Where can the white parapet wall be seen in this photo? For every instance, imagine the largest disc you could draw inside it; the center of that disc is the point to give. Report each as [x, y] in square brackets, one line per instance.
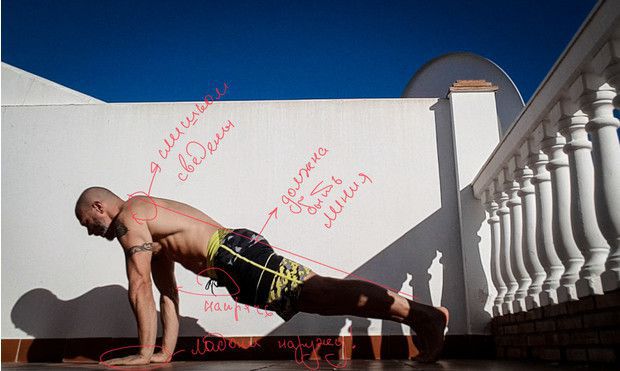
[21, 88]
[401, 229]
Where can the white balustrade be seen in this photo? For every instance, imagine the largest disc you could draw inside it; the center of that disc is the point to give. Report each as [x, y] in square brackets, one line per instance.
[551, 188]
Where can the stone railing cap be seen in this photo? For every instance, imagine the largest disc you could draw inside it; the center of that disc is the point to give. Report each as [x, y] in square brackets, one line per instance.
[472, 85]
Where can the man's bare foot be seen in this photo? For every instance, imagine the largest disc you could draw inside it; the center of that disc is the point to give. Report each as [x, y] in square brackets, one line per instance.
[431, 332]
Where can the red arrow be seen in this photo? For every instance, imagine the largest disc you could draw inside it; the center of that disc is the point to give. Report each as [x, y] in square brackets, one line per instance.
[273, 212]
[155, 168]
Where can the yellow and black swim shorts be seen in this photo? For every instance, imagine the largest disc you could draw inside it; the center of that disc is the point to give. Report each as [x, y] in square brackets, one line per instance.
[261, 277]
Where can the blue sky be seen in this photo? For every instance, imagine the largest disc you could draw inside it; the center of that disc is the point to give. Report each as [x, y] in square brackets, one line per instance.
[132, 51]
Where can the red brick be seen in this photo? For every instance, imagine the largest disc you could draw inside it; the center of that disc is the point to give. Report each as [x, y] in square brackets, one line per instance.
[545, 325]
[519, 341]
[526, 328]
[605, 355]
[511, 329]
[503, 319]
[519, 317]
[513, 352]
[564, 338]
[569, 323]
[535, 352]
[536, 340]
[555, 310]
[577, 354]
[536, 313]
[608, 300]
[502, 340]
[509, 318]
[516, 340]
[500, 352]
[609, 318]
[551, 354]
[584, 337]
[609, 337]
[584, 304]
[553, 338]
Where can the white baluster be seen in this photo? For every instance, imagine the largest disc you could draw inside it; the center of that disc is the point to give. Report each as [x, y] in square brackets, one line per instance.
[552, 145]
[597, 101]
[546, 249]
[612, 71]
[496, 271]
[516, 234]
[503, 212]
[587, 234]
[535, 270]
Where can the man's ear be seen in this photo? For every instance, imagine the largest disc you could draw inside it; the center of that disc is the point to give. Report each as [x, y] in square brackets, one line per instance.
[98, 207]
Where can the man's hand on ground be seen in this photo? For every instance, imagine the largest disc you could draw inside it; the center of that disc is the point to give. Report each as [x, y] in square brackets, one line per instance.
[161, 357]
[130, 360]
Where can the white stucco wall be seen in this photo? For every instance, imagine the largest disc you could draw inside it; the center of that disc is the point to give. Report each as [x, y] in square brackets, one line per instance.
[59, 282]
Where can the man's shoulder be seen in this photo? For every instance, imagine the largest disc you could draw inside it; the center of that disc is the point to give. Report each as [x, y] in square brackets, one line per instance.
[139, 207]
[133, 215]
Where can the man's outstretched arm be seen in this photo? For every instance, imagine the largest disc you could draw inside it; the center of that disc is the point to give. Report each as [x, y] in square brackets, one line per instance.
[163, 275]
[137, 243]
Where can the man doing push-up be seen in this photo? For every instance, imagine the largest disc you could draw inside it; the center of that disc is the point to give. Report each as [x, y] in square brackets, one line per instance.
[239, 259]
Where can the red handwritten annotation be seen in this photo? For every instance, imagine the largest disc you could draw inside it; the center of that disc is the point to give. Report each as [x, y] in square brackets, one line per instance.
[206, 344]
[319, 194]
[222, 306]
[189, 121]
[171, 140]
[306, 170]
[314, 346]
[198, 152]
[211, 306]
[209, 346]
[303, 350]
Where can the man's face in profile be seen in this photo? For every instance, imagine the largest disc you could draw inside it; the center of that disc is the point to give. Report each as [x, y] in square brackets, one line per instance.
[95, 223]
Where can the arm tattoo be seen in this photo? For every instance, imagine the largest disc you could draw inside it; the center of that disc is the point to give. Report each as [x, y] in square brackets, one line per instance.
[141, 248]
[120, 229]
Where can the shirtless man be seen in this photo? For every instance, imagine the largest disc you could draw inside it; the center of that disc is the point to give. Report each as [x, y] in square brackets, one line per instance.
[155, 233]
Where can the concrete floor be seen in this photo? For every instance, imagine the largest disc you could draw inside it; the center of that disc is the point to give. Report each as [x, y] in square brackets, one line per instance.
[473, 365]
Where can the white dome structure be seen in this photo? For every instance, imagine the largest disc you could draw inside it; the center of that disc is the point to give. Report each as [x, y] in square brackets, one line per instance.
[436, 76]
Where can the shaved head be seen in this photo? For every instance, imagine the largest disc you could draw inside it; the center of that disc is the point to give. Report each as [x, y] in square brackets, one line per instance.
[92, 194]
[96, 209]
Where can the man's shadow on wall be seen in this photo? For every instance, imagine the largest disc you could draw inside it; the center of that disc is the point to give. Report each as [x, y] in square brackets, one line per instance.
[103, 314]
[439, 235]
